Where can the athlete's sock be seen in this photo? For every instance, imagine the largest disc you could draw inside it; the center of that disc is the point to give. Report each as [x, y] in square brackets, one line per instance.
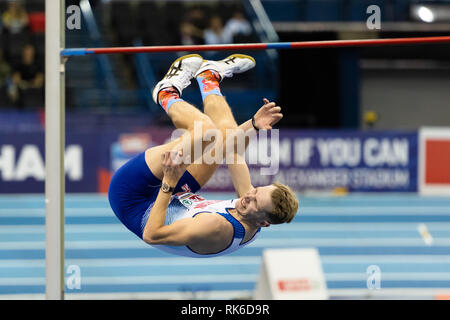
[167, 97]
[208, 82]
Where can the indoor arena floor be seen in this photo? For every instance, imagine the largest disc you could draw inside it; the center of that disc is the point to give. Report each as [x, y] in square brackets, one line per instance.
[406, 236]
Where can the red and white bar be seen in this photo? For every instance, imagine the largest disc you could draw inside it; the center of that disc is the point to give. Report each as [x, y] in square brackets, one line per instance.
[258, 46]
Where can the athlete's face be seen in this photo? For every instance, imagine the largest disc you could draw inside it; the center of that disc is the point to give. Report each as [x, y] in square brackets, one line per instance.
[256, 203]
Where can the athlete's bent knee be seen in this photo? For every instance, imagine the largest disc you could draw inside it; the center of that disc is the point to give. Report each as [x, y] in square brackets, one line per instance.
[225, 125]
[207, 124]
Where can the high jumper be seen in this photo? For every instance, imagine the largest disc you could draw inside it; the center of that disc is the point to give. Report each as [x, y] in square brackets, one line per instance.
[154, 194]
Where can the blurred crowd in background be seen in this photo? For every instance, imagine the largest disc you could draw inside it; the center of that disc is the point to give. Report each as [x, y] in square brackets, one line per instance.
[177, 22]
[112, 84]
[21, 66]
[22, 26]
[194, 30]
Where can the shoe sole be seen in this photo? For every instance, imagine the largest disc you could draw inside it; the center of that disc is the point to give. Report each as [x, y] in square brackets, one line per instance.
[237, 55]
[242, 56]
[182, 58]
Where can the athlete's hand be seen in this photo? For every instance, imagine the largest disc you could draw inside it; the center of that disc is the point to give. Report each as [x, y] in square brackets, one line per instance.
[173, 166]
[268, 115]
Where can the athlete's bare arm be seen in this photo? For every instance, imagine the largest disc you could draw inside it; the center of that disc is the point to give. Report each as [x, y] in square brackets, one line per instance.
[267, 116]
[189, 231]
[184, 231]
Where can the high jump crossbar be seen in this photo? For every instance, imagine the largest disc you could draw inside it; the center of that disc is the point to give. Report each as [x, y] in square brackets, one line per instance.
[258, 46]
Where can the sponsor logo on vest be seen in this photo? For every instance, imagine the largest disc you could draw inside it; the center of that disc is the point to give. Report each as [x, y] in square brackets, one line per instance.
[186, 202]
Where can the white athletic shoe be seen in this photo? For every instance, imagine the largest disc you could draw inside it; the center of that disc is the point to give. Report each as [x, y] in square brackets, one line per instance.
[179, 75]
[236, 63]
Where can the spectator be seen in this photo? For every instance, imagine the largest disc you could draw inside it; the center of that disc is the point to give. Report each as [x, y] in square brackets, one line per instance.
[15, 18]
[28, 74]
[188, 34]
[5, 78]
[192, 27]
[215, 33]
[5, 71]
[238, 26]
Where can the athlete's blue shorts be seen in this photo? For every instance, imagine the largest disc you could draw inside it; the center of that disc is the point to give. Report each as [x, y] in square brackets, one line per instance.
[134, 188]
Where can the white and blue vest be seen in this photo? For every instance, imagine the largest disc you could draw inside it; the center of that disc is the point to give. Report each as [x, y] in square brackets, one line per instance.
[187, 205]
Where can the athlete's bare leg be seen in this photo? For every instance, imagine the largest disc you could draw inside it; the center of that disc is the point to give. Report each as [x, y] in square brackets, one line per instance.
[184, 116]
[217, 115]
[214, 104]
[218, 111]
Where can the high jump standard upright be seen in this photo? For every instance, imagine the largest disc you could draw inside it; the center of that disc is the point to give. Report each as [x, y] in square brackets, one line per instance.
[54, 148]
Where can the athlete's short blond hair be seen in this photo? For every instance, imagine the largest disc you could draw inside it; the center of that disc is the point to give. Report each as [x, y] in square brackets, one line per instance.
[285, 204]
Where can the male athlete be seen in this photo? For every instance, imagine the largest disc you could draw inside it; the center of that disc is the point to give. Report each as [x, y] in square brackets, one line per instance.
[153, 194]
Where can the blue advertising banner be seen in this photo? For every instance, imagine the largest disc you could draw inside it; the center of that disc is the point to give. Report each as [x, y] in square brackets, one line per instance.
[305, 160]
[324, 160]
[22, 163]
[90, 159]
